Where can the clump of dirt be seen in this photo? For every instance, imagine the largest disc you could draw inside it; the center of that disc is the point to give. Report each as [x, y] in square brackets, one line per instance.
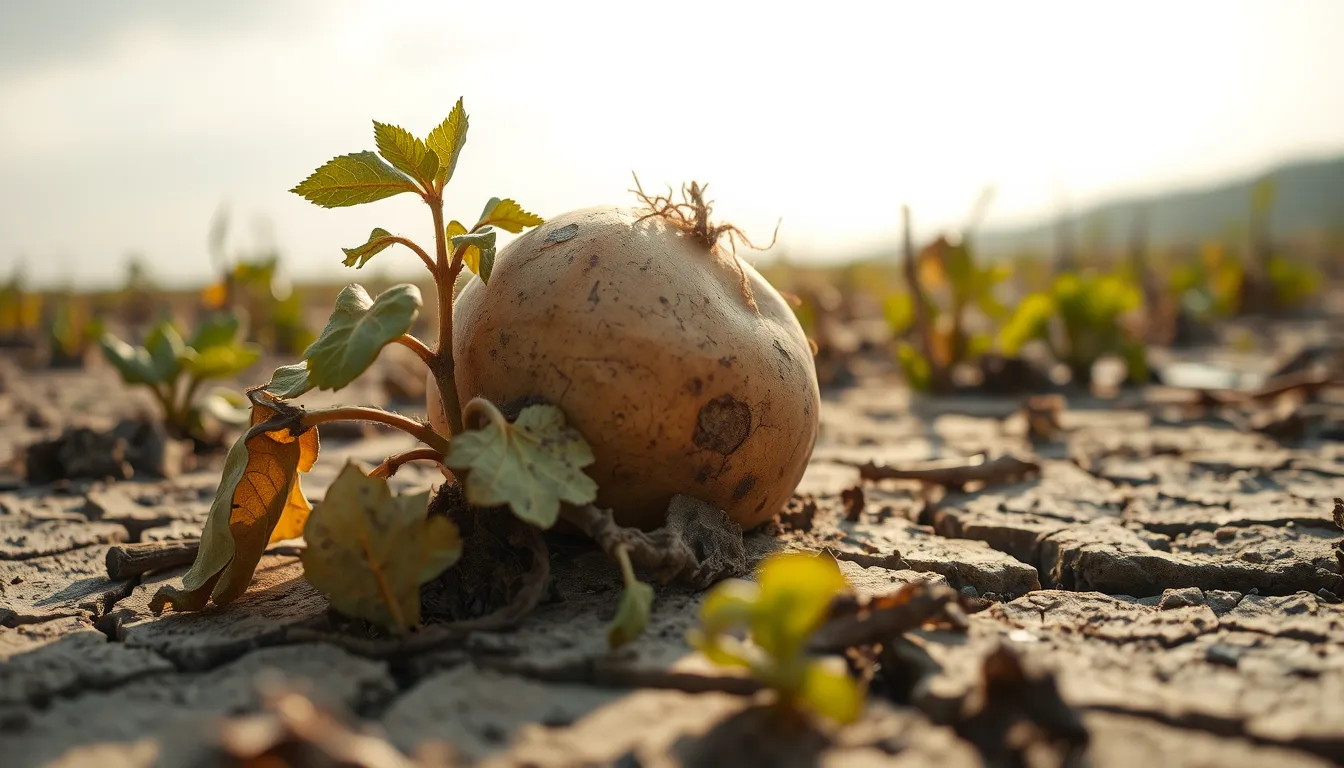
[134, 447]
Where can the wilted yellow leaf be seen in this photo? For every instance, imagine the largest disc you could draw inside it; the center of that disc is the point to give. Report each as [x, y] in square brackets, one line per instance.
[257, 493]
[370, 551]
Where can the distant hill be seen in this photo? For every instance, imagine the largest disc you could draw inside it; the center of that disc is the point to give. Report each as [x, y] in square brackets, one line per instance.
[1309, 197]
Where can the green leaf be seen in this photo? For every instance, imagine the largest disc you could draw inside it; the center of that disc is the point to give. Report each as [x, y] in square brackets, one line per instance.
[1029, 323]
[370, 551]
[221, 362]
[730, 604]
[289, 381]
[508, 216]
[480, 254]
[358, 330]
[406, 153]
[352, 180]
[796, 593]
[166, 350]
[379, 240]
[532, 464]
[226, 406]
[133, 363]
[828, 690]
[632, 615]
[914, 367]
[217, 330]
[447, 141]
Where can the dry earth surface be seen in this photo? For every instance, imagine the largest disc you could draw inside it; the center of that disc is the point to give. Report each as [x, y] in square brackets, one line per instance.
[1177, 583]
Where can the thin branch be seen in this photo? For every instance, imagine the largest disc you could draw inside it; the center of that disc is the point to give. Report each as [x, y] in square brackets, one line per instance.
[418, 347]
[415, 429]
[391, 464]
[418, 252]
[445, 276]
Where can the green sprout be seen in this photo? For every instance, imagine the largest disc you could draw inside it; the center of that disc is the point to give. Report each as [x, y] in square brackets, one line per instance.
[174, 369]
[1081, 319]
[788, 602]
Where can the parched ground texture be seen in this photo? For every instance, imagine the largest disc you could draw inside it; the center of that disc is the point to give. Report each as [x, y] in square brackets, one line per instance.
[1180, 582]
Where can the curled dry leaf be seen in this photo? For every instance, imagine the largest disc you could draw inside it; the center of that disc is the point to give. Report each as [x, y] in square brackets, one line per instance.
[370, 551]
[532, 464]
[259, 500]
[632, 615]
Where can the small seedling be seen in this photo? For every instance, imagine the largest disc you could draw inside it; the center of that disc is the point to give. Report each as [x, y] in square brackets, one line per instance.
[788, 602]
[367, 549]
[1081, 318]
[175, 369]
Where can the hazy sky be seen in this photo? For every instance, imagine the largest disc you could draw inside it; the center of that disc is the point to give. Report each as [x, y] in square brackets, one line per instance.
[124, 126]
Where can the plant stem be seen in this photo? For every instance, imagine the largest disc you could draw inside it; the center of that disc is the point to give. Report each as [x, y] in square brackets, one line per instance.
[627, 570]
[406, 424]
[418, 252]
[391, 464]
[481, 405]
[417, 346]
[444, 276]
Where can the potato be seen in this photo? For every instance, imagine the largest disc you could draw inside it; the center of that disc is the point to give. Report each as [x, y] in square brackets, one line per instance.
[656, 352]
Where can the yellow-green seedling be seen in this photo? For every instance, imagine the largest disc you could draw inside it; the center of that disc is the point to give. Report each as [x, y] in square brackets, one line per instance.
[174, 370]
[368, 549]
[1082, 319]
[780, 611]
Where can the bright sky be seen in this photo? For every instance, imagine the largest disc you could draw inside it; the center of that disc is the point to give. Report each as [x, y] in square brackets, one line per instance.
[124, 126]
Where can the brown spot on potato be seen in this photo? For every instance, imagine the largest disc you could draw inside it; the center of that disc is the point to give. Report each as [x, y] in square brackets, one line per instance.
[744, 487]
[702, 474]
[593, 297]
[723, 425]
[695, 385]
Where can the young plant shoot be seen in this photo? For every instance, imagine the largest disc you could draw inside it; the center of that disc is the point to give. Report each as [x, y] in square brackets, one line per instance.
[367, 549]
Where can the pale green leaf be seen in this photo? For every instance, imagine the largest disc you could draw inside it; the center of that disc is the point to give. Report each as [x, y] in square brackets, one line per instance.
[226, 406]
[370, 551]
[222, 361]
[351, 180]
[133, 363]
[447, 141]
[632, 615]
[730, 604]
[259, 486]
[166, 350]
[217, 330]
[532, 465]
[289, 381]
[357, 331]
[479, 255]
[829, 691]
[405, 152]
[357, 257]
[796, 593]
[508, 216]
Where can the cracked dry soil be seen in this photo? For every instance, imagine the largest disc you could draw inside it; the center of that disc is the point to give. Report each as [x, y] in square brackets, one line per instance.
[1177, 585]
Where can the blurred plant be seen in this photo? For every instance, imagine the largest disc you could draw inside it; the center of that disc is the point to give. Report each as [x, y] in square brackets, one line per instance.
[71, 328]
[20, 310]
[270, 311]
[174, 371]
[1081, 318]
[788, 602]
[1293, 283]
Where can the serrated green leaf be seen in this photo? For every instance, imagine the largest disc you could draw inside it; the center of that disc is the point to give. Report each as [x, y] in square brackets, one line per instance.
[289, 381]
[166, 350]
[370, 551]
[447, 141]
[353, 179]
[406, 153]
[508, 216]
[132, 362]
[632, 615]
[222, 361]
[379, 240]
[532, 465]
[217, 330]
[480, 253]
[359, 328]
